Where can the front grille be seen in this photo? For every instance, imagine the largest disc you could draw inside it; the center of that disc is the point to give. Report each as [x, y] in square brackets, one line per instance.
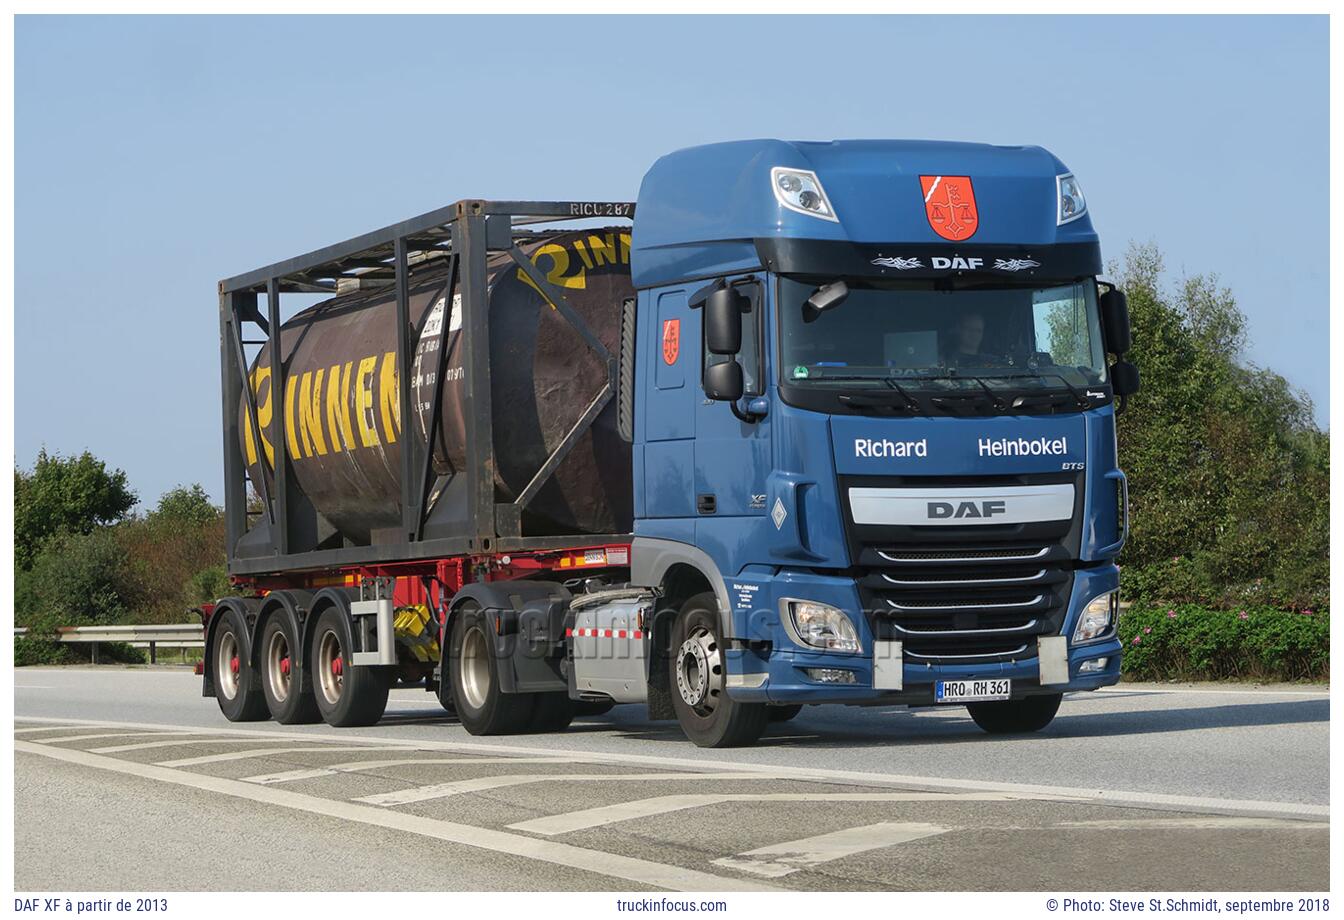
[966, 602]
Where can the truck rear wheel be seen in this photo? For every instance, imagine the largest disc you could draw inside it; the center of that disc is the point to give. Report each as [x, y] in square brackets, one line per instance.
[346, 695]
[235, 689]
[699, 697]
[1014, 717]
[280, 677]
[482, 708]
[551, 712]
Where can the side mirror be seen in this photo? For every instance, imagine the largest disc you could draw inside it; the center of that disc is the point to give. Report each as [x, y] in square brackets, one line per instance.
[1124, 378]
[723, 321]
[1115, 321]
[826, 297]
[723, 381]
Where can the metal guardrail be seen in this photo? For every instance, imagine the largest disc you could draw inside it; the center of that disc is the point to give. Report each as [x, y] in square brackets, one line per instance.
[171, 635]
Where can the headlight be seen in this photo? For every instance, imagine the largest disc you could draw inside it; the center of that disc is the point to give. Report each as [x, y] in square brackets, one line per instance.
[800, 190]
[1097, 617]
[1072, 204]
[823, 626]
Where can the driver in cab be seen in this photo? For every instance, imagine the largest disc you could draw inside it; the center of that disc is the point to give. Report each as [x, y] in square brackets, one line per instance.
[967, 337]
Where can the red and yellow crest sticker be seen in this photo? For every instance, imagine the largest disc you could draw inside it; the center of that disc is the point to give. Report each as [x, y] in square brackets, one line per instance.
[671, 340]
[949, 203]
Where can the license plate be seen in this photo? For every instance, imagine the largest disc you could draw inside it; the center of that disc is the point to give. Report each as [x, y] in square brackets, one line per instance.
[969, 691]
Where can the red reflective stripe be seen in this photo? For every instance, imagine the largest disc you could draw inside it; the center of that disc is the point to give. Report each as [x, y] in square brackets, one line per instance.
[620, 634]
[568, 633]
[638, 634]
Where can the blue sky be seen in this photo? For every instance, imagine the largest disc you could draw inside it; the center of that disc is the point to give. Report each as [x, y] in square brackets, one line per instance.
[155, 156]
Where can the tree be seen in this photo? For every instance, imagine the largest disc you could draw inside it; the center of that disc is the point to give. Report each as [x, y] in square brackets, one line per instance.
[187, 506]
[70, 494]
[1229, 475]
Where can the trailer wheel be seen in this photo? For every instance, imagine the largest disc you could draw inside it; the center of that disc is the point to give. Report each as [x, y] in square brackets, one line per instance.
[346, 695]
[280, 678]
[482, 708]
[784, 713]
[707, 715]
[1013, 717]
[239, 698]
[551, 712]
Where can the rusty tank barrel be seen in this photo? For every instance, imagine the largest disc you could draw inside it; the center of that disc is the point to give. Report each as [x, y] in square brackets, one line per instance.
[342, 419]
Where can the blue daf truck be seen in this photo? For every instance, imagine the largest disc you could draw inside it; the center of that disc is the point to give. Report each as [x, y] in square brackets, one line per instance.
[808, 423]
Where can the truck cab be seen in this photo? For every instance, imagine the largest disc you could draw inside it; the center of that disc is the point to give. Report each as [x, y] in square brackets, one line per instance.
[873, 404]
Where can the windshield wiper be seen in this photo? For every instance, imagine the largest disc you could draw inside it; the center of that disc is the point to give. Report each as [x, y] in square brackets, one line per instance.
[995, 399]
[873, 400]
[1082, 401]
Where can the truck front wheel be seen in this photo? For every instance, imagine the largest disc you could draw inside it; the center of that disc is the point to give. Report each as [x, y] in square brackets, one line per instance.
[707, 715]
[482, 708]
[1015, 717]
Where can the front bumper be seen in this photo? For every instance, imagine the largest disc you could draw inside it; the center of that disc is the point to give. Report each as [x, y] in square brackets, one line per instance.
[780, 675]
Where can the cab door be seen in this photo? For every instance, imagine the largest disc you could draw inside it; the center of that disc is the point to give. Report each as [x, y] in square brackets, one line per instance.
[732, 456]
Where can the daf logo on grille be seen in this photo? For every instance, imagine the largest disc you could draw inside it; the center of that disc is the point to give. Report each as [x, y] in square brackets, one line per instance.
[943, 510]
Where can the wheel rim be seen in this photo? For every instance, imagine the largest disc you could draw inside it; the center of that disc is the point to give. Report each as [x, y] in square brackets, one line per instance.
[330, 666]
[227, 664]
[700, 672]
[474, 668]
[279, 666]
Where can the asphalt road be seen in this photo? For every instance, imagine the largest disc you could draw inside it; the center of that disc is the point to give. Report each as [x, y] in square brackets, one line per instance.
[1133, 788]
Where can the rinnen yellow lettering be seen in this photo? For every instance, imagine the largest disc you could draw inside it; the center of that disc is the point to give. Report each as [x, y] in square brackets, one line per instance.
[368, 433]
[390, 397]
[291, 432]
[259, 375]
[310, 413]
[625, 249]
[338, 408]
[604, 248]
[583, 253]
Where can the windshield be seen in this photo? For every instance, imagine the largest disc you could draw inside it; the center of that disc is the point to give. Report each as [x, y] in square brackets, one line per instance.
[926, 335]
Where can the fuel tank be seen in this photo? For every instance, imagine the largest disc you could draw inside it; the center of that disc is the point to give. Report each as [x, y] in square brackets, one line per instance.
[342, 420]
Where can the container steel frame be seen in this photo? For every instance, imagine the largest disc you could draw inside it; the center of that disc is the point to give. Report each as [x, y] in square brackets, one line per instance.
[464, 233]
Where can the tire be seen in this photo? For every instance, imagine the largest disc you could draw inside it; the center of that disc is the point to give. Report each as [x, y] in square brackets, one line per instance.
[551, 712]
[280, 655]
[236, 688]
[784, 713]
[706, 714]
[346, 696]
[1015, 717]
[482, 708]
[593, 707]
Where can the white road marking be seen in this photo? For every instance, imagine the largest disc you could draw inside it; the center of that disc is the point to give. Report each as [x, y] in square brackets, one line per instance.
[638, 871]
[1212, 822]
[45, 728]
[781, 859]
[358, 766]
[1323, 694]
[1093, 795]
[214, 738]
[646, 808]
[98, 735]
[481, 783]
[269, 752]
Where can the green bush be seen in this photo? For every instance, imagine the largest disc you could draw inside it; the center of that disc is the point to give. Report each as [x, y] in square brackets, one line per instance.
[34, 650]
[76, 580]
[1188, 642]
